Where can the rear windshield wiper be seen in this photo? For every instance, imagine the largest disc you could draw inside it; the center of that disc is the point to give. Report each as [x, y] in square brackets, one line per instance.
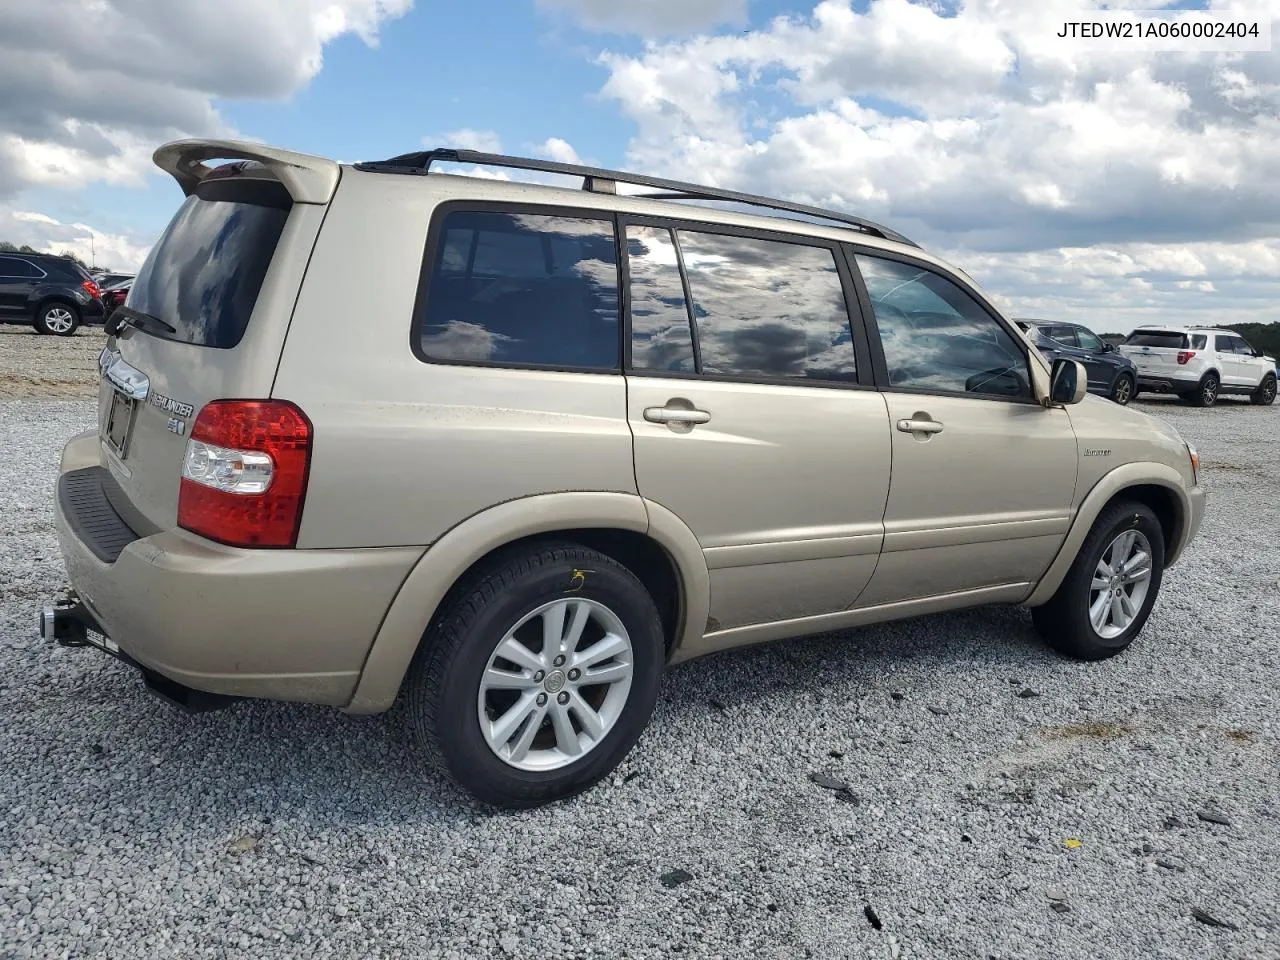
[129, 316]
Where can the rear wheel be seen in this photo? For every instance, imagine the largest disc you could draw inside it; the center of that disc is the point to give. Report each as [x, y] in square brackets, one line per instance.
[1122, 391]
[1265, 395]
[1108, 593]
[1206, 393]
[57, 318]
[539, 677]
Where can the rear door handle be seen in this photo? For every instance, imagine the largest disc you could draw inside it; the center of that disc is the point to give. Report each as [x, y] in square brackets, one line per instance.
[675, 415]
[919, 426]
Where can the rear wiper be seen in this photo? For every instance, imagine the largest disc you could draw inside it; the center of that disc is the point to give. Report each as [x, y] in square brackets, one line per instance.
[129, 316]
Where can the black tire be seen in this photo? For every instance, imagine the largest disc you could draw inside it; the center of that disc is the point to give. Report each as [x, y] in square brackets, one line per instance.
[1206, 392]
[1265, 395]
[1064, 620]
[1123, 390]
[53, 313]
[443, 685]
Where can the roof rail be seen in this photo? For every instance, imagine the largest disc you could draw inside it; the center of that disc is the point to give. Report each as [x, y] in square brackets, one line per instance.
[600, 180]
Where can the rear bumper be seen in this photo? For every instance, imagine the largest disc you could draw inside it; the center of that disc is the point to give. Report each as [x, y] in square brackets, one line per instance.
[1159, 384]
[279, 624]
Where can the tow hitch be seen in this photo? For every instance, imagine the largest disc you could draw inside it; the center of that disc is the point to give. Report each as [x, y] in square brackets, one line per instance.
[69, 623]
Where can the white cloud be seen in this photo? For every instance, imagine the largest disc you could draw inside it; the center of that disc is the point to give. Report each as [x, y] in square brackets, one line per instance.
[651, 17]
[44, 233]
[485, 141]
[968, 128]
[559, 150]
[89, 88]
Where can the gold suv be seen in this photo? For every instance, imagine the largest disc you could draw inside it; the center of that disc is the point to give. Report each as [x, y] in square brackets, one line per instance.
[512, 449]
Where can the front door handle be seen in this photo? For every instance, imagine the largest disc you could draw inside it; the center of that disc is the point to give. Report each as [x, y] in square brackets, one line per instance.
[675, 415]
[919, 426]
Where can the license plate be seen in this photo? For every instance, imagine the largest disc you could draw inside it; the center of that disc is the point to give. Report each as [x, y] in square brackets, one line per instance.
[120, 423]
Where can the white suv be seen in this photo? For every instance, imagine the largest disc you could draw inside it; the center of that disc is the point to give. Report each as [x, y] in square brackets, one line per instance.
[1200, 364]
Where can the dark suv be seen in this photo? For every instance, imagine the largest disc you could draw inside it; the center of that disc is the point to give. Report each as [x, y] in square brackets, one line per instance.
[1111, 374]
[53, 294]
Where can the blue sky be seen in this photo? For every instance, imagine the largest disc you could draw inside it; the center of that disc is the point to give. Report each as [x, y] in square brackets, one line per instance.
[1069, 183]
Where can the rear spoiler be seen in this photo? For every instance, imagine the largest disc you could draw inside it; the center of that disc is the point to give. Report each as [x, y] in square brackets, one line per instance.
[308, 179]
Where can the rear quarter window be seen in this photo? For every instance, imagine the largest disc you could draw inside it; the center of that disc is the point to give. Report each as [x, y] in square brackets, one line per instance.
[521, 289]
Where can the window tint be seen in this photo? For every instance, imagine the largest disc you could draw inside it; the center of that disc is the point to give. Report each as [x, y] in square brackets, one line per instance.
[13, 267]
[523, 289]
[203, 275]
[661, 337]
[1087, 340]
[1242, 346]
[937, 337]
[1198, 341]
[1157, 338]
[764, 308]
[1063, 334]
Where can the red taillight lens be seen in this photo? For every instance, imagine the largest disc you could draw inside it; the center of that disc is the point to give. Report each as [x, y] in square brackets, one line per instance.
[92, 289]
[1184, 356]
[245, 473]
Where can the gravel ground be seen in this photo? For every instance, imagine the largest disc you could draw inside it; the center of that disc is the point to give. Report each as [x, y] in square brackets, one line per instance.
[32, 365]
[1002, 802]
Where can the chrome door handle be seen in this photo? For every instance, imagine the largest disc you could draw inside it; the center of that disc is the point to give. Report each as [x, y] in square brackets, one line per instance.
[675, 415]
[919, 426]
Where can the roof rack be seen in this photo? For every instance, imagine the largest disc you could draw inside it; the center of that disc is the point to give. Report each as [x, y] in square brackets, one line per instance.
[600, 180]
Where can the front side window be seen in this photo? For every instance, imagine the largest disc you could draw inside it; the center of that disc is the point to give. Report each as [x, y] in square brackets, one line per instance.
[1088, 341]
[767, 309]
[523, 289]
[937, 337]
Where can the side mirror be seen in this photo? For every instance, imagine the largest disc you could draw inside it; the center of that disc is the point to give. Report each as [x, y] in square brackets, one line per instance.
[1108, 347]
[1068, 381]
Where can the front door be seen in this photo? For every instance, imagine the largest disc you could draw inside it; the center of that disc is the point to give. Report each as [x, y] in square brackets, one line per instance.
[983, 476]
[753, 417]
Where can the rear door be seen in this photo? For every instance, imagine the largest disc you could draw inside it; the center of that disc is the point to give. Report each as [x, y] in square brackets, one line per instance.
[754, 415]
[205, 320]
[17, 277]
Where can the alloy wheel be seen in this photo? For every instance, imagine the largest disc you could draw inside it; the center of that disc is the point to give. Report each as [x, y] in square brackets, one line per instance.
[1120, 584]
[556, 684]
[59, 320]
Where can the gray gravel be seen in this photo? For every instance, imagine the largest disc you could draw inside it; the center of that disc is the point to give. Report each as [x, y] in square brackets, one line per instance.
[129, 830]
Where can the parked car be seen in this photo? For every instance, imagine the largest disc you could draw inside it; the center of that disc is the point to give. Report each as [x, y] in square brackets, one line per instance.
[1200, 364]
[115, 295]
[1111, 373]
[574, 436]
[105, 279]
[53, 294]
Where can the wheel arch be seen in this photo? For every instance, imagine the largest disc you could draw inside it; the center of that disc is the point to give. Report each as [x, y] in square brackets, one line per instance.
[649, 540]
[1156, 485]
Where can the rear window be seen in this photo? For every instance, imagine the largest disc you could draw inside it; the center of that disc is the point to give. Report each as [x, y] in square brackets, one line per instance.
[204, 274]
[522, 289]
[1157, 338]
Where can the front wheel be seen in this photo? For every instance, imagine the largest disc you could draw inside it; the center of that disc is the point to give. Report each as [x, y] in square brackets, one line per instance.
[1265, 395]
[1123, 390]
[539, 677]
[57, 318]
[1108, 593]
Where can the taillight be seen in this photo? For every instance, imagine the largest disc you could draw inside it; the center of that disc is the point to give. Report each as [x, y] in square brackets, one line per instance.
[1184, 356]
[244, 475]
[92, 289]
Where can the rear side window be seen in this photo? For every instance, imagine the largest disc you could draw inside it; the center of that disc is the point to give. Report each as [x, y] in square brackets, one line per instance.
[767, 309]
[204, 274]
[13, 267]
[522, 289]
[1157, 338]
[1199, 341]
[661, 337]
